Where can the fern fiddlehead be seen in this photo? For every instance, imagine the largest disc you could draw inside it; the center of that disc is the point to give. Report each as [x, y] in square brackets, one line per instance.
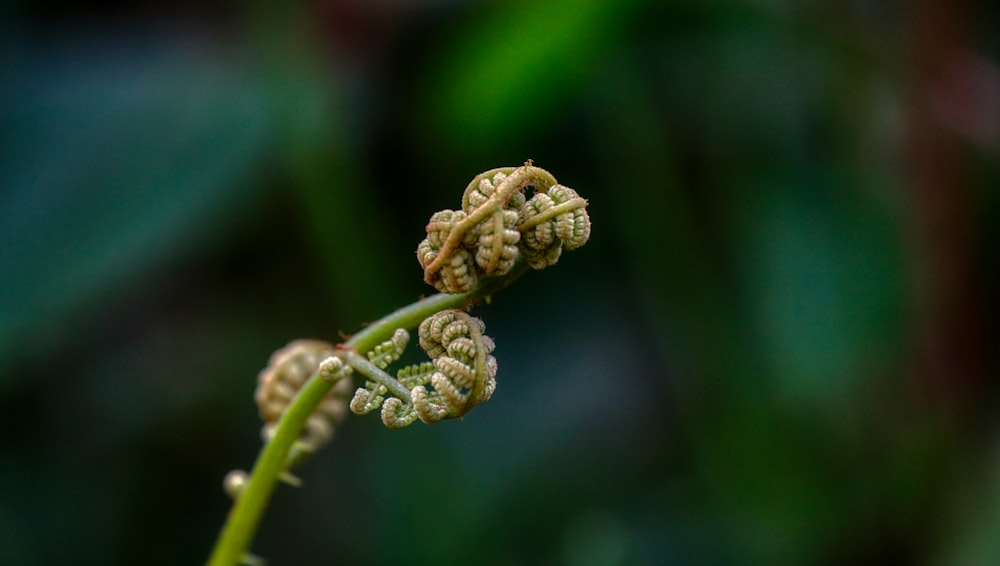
[499, 224]
[460, 375]
[286, 372]
[464, 371]
[511, 218]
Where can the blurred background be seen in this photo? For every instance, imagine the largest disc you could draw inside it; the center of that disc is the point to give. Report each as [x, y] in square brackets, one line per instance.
[779, 347]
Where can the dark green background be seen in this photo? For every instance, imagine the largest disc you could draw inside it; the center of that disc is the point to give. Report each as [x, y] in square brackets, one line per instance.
[779, 346]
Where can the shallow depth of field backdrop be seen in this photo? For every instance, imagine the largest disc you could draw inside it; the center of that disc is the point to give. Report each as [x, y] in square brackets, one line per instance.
[779, 347]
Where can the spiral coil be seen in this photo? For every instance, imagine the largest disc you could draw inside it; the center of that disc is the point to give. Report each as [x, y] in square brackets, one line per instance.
[286, 372]
[460, 375]
[465, 372]
[550, 221]
[498, 225]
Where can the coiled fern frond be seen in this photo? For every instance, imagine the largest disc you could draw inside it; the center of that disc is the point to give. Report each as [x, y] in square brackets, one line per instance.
[510, 219]
[499, 225]
[279, 382]
[465, 372]
[460, 375]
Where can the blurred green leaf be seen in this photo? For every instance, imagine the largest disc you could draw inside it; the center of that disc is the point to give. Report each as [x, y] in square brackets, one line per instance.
[973, 522]
[321, 139]
[821, 270]
[113, 160]
[507, 70]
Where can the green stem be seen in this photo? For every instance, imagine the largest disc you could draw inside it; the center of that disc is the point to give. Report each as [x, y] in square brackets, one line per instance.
[361, 365]
[247, 511]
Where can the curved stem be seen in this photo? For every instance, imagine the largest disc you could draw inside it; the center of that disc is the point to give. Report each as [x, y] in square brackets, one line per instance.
[364, 367]
[245, 516]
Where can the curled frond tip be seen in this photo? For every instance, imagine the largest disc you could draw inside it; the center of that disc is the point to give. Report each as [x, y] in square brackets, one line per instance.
[508, 214]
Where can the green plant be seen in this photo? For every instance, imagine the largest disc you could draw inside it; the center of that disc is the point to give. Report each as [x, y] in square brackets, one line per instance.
[512, 219]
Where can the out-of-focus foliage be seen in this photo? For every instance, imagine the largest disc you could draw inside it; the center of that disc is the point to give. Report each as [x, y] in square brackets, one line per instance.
[778, 347]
